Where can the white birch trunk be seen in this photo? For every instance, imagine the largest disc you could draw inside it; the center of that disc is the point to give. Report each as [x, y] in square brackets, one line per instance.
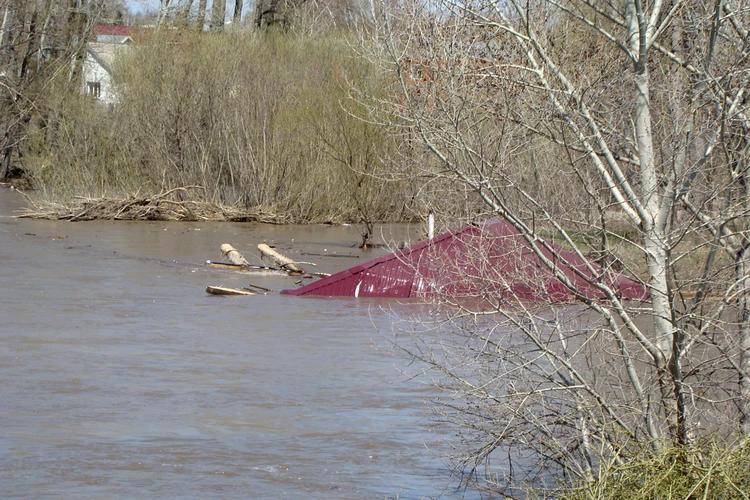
[7, 20]
[163, 13]
[653, 222]
[44, 44]
[742, 269]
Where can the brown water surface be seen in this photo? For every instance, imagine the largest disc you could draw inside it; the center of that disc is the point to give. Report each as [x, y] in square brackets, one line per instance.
[121, 378]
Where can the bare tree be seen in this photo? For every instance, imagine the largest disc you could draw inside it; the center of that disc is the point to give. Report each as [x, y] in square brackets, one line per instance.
[37, 39]
[201, 16]
[183, 13]
[218, 12]
[165, 6]
[270, 12]
[237, 16]
[634, 116]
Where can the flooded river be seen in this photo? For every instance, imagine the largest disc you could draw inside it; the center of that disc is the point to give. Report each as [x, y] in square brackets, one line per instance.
[121, 378]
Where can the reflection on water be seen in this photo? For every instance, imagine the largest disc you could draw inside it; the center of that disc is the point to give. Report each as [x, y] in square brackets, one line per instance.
[121, 377]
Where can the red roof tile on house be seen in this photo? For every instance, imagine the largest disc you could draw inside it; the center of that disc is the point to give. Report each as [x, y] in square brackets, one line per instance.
[479, 260]
[113, 30]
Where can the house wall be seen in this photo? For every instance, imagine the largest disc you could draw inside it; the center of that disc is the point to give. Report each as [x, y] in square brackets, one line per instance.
[94, 73]
[97, 67]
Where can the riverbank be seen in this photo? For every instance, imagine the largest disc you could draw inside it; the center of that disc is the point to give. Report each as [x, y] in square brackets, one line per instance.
[239, 128]
[178, 204]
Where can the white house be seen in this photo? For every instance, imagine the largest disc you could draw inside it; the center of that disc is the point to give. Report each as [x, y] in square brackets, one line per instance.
[111, 42]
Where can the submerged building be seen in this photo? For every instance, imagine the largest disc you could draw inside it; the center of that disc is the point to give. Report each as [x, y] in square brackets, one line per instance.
[487, 260]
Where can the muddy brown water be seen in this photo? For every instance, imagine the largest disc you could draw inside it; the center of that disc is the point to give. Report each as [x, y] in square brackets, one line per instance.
[121, 378]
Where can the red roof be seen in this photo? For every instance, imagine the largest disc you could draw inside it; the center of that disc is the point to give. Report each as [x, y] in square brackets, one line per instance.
[478, 260]
[113, 30]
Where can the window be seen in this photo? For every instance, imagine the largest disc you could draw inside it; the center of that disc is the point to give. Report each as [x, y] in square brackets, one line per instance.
[94, 89]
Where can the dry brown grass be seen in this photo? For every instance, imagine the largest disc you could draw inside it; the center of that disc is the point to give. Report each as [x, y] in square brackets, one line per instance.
[715, 473]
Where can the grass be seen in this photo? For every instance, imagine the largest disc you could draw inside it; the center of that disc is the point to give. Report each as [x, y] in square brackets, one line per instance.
[694, 473]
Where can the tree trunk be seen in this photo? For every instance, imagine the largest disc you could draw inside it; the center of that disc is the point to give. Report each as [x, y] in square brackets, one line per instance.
[31, 45]
[8, 33]
[44, 44]
[183, 14]
[237, 12]
[7, 21]
[5, 163]
[742, 268]
[218, 11]
[163, 13]
[201, 19]
[653, 229]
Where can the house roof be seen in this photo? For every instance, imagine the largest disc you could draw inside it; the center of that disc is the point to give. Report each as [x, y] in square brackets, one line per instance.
[105, 53]
[113, 30]
[479, 260]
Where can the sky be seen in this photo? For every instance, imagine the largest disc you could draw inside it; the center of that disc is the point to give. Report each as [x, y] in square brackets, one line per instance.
[137, 6]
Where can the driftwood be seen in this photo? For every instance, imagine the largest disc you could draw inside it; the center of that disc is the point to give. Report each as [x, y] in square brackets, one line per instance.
[291, 267]
[235, 257]
[180, 203]
[281, 263]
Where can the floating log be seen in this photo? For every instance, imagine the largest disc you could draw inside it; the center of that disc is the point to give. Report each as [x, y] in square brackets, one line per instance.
[235, 257]
[291, 267]
[221, 290]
